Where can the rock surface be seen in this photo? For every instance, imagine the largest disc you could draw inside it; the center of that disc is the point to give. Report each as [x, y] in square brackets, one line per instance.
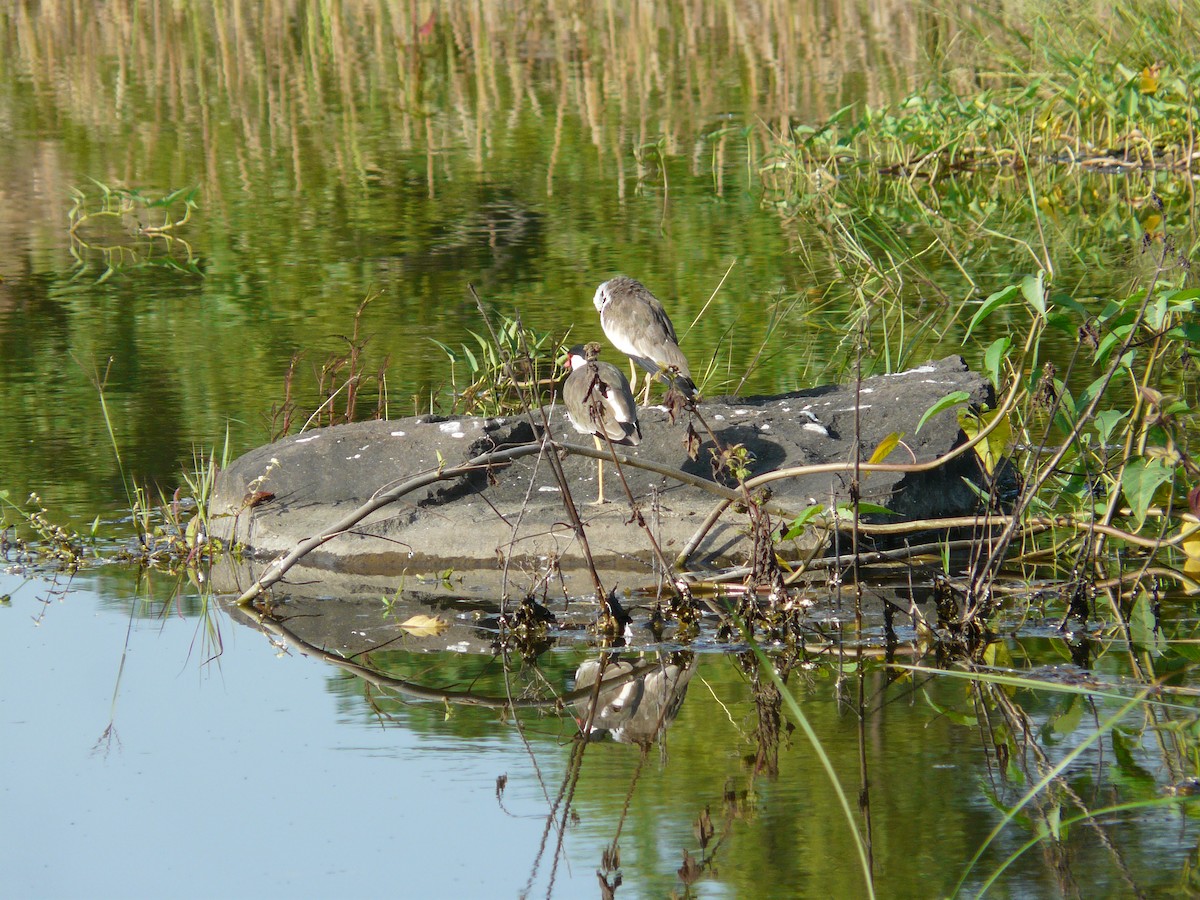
[474, 524]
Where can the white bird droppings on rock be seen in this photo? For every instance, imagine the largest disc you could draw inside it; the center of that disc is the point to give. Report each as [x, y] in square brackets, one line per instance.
[817, 427]
[449, 427]
[307, 439]
[397, 434]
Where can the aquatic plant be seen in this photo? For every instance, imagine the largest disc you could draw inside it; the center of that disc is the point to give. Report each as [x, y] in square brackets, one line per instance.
[502, 372]
[128, 230]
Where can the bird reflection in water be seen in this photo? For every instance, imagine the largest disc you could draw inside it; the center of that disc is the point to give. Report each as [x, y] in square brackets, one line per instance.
[637, 700]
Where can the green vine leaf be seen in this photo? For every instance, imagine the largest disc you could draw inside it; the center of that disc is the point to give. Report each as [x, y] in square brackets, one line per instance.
[954, 398]
[1139, 481]
[1143, 626]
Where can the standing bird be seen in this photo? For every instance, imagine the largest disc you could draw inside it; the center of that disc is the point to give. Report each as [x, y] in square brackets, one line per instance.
[638, 326]
[599, 402]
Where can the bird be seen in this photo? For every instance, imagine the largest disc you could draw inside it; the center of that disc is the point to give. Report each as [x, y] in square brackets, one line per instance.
[637, 325]
[600, 402]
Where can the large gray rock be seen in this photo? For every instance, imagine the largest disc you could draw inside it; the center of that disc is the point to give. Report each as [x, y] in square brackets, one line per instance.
[474, 525]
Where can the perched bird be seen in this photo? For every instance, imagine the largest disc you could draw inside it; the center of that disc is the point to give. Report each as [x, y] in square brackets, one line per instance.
[600, 402]
[638, 326]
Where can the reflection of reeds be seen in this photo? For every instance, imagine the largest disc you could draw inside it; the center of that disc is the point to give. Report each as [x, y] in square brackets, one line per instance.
[263, 84]
[318, 130]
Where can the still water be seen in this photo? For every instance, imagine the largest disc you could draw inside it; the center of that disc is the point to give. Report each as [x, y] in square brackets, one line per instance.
[156, 745]
[139, 763]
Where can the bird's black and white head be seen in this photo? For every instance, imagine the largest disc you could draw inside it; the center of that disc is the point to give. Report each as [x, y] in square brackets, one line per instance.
[581, 354]
[599, 402]
[598, 398]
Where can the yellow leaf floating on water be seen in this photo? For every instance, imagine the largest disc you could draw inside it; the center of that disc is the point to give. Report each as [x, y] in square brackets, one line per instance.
[422, 625]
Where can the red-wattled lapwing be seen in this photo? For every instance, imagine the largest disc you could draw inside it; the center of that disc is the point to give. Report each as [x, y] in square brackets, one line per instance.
[599, 402]
[638, 326]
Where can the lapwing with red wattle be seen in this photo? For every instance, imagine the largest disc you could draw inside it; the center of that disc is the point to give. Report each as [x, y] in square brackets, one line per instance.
[600, 402]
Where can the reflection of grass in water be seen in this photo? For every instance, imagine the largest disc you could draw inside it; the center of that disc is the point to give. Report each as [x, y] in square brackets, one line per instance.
[292, 77]
[295, 105]
[397, 158]
[286, 74]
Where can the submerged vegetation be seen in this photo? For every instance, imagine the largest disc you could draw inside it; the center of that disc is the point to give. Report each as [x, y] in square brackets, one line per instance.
[126, 229]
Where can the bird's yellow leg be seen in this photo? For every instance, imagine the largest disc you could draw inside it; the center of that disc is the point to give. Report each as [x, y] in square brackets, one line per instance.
[599, 501]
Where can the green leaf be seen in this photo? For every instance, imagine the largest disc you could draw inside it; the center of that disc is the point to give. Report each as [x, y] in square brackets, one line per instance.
[958, 718]
[1068, 720]
[1132, 773]
[1110, 342]
[997, 653]
[993, 356]
[1156, 312]
[1186, 296]
[798, 524]
[1187, 331]
[1066, 301]
[1033, 287]
[1052, 823]
[954, 398]
[864, 508]
[445, 349]
[998, 299]
[1143, 626]
[1139, 481]
[1130, 105]
[1106, 420]
[1064, 323]
[1107, 342]
[991, 450]
[471, 361]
